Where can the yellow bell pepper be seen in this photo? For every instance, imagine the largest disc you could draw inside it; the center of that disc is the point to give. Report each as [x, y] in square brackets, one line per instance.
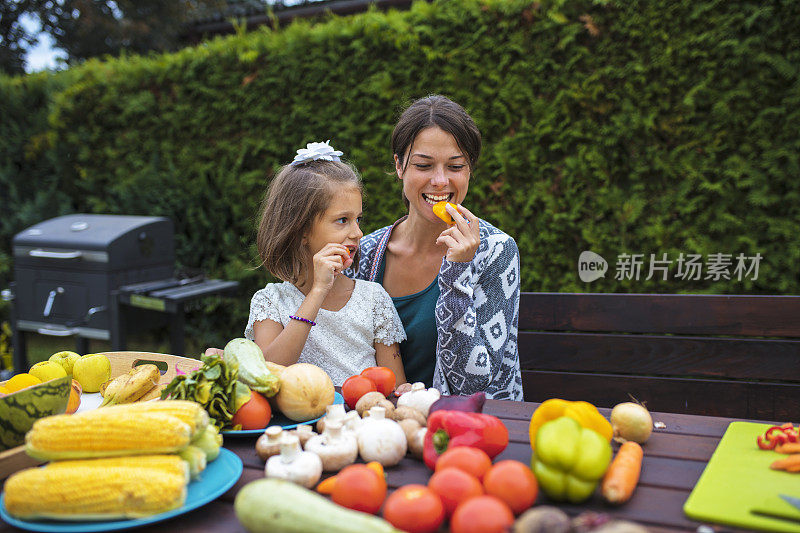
[584, 413]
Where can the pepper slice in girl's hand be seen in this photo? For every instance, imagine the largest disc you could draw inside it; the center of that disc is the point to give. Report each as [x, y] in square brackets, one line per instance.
[447, 429]
[569, 460]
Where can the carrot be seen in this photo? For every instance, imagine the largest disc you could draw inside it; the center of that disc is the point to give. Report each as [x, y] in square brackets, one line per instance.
[790, 463]
[788, 447]
[326, 485]
[623, 474]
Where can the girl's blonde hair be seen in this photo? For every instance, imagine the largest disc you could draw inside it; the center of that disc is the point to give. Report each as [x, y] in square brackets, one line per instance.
[297, 196]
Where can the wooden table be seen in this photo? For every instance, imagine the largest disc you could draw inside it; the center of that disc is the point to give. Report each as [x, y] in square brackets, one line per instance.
[674, 458]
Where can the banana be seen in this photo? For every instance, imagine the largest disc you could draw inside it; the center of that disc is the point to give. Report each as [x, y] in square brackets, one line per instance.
[132, 386]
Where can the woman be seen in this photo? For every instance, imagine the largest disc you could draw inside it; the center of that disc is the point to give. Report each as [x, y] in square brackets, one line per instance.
[455, 288]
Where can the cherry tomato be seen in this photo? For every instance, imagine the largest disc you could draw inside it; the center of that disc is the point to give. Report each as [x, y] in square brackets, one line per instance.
[415, 509]
[255, 414]
[482, 514]
[383, 378]
[471, 460]
[354, 388]
[360, 488]
[513, 482]
[454, 486]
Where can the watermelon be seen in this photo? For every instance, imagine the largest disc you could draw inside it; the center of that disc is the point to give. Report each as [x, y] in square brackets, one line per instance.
[18, 411]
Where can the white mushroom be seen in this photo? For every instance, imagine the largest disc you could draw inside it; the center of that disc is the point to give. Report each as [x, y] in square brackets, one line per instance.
[303, 432]
[293, 464]
[335, 447]
[419, 398]
[269, 443]
[381, 439]
[334, 411]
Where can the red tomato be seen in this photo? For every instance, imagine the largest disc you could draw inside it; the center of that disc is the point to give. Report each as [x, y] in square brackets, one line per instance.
[471, 460]
[454, 486]
[255, 414]
[359, 487]
[513, 482]
[415, 509]
[482, 514]
[383, 378]
[354, 388]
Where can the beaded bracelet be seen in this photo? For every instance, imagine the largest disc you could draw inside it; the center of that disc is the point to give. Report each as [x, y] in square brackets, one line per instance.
[301, 319]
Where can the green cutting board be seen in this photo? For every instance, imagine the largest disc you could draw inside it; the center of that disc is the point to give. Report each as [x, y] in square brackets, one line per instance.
[738, 479]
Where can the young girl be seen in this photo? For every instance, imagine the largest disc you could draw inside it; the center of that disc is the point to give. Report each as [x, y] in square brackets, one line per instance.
[309, 233]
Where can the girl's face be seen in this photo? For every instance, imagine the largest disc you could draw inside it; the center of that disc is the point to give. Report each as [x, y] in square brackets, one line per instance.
[339, 224]
[437, 170]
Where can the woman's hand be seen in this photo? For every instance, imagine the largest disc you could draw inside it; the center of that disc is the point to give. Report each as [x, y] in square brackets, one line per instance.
[463, 238]
[328, 263]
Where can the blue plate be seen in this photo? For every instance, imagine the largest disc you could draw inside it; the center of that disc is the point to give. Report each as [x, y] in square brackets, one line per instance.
[220, 475]
[278, 419]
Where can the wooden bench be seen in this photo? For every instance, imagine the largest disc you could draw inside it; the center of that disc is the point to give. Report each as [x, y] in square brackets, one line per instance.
[731, 356]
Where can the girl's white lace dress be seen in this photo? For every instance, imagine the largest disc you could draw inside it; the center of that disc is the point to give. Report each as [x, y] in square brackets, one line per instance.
[342, 341]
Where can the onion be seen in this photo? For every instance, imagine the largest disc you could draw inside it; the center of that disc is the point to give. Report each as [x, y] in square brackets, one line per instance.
[631, 421]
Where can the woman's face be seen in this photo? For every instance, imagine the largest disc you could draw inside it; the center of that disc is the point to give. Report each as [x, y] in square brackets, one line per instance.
[436, 170]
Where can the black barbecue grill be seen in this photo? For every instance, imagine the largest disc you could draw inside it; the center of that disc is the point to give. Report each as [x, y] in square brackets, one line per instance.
[77, 275]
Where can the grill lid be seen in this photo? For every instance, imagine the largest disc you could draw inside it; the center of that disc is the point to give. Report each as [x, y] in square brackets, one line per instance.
[84, 232]
[117, 240]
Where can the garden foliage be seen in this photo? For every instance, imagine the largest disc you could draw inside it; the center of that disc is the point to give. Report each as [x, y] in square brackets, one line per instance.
[612, 126]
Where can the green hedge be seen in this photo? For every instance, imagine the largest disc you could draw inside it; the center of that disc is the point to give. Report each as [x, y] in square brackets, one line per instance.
[612, 126]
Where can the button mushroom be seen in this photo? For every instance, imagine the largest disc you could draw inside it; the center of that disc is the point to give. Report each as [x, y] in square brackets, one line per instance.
[269, 443]
[336, 448]
[381, 439]
[293, 464]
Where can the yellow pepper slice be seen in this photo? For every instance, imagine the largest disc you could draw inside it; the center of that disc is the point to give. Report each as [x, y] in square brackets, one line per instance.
[584, 413]
[440, 211]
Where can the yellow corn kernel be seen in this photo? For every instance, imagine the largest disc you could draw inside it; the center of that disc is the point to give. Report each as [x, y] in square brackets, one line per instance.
[76, 493]
[190, 412]
[170, 464]
[105, 433]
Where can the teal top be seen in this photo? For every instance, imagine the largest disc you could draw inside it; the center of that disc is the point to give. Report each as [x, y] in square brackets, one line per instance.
[417, 314]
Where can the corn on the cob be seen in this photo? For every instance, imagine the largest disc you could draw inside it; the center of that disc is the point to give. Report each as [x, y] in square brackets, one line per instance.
[190, 412]
[75, 493]
[105, 433]
[169, 463]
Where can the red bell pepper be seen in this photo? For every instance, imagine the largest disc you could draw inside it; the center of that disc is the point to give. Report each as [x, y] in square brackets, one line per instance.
[778, 435]
[447, 429]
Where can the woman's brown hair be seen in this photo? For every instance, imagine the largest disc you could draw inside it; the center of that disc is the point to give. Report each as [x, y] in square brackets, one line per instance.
[295, 198]
[440, 111]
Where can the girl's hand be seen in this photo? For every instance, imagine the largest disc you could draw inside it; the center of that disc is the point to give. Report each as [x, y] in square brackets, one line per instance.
[328, 263]
[463, 238]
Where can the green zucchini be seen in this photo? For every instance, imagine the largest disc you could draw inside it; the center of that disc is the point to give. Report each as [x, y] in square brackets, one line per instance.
[278, 506]
[253, 371]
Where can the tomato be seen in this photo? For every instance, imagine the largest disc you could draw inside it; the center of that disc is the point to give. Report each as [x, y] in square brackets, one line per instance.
[471, 460]
[255, 414]
[360, 488]
[354, 388]
[415, 509]
[513, 482]
[383, 378]
[454, 486]
[482, 514]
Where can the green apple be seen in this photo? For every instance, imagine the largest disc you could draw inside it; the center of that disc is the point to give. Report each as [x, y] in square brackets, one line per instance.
[91, 371]
[47, 370]
[65, 359]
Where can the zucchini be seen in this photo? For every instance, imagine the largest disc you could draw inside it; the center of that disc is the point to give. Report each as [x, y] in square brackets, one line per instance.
[253, 372]
[278, 506]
